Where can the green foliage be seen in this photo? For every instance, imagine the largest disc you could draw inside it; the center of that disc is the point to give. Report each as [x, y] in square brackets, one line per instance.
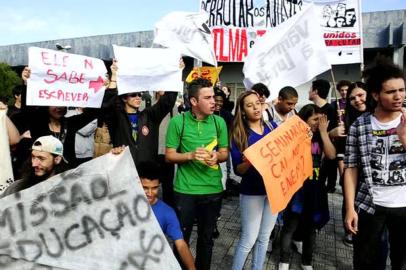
[8, 80]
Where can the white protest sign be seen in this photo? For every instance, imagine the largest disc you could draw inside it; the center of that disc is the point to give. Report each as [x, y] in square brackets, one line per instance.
[94, 217]
[290, 54]
[188, 33]
[147, 69]
[6, 171]
[63, 79]
[342, 26]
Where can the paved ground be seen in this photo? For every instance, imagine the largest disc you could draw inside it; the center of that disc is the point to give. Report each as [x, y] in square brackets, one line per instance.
[330, 251]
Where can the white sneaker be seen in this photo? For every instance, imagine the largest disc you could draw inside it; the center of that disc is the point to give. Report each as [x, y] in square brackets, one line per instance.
[283, 266]
[299, 246]
[307, 267]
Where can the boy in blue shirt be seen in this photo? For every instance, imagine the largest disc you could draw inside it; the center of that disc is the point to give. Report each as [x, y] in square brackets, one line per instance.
[148, 172]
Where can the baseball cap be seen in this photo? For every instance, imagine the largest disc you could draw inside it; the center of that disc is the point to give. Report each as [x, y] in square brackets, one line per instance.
[48, 144]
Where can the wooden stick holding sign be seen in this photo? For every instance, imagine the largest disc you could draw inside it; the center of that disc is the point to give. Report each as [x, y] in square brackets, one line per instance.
[284, 160]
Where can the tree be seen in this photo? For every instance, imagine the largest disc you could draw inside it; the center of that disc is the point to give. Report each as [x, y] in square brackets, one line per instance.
[8, 80]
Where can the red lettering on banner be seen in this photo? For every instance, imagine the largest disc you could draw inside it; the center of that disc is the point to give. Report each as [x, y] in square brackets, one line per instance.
[237, 48]
[244, 46]
[233, 44]
[62, 95]
[88, 64]
[260, 33]
[343, 42]
[72, 78]
[222, 57]
[55, 60]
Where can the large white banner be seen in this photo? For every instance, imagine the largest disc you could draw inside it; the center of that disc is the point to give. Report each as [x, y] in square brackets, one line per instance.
[147, 69]
[95, 217]
[6, 171]
[63, 79]
[237, 25]
[290, 54]
[188, 33]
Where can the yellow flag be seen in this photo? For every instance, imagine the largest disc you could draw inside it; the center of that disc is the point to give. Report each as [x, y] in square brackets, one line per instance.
[209, 73]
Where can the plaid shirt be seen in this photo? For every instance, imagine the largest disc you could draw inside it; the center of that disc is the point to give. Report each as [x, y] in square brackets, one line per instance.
[358, 154]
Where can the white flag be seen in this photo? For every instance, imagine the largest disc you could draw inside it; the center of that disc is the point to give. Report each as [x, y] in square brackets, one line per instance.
[289, 54]
[6, 171]
[188, 33]
[147, 69]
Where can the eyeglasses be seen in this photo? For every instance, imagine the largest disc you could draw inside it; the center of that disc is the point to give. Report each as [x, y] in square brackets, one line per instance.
[136, 94]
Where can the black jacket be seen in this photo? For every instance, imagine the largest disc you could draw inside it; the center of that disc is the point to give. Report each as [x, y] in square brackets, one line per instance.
[149, 119]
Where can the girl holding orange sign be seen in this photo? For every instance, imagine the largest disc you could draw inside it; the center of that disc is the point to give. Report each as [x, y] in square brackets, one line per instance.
[257, 220]
[309, 206]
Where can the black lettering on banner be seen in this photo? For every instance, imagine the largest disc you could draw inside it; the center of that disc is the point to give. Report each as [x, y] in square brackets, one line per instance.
[34, 252]
[219, 12]
[103, 223]
[137, 201]
[67, 234]
[6, 219]
[99, 189]
[55, 199]
[5, 259]
[122, 212]
[59, 250]
[36, 208]
[21, 213]
[90, 225]
[140, 258]
[78, 195]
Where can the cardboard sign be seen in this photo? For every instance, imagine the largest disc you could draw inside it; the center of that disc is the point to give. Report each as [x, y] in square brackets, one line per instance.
[290, 54]
[209, 73]
[284, 160]
[187, 33]
[6, 171]
[147, 69]
[94, 217]
[63, 79]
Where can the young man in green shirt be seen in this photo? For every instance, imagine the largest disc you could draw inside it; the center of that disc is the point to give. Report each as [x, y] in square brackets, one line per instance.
[198, 141]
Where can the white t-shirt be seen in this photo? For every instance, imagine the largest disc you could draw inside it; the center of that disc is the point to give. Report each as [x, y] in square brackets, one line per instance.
[388, 165]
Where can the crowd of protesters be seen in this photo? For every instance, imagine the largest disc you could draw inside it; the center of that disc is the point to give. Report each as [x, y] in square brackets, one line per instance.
[362, 135]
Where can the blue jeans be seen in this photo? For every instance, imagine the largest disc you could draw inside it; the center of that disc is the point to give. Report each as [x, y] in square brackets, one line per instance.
[257, 223]
[205, 209]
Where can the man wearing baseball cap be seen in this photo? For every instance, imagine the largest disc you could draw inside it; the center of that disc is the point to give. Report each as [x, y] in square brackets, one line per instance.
[46, 161]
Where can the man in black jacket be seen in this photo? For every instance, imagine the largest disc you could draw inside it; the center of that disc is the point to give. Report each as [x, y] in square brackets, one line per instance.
[134, 128]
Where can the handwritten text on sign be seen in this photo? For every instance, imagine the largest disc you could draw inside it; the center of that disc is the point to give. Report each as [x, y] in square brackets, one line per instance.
[62, 79]
[283, 158]
[93, 217]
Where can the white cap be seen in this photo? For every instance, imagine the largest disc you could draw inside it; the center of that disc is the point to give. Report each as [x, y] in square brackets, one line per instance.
[48, 144]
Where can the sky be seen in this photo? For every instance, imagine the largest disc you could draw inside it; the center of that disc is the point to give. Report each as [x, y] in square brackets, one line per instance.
[24, 21]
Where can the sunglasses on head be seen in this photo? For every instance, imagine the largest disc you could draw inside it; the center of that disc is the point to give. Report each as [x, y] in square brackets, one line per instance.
[136, 94]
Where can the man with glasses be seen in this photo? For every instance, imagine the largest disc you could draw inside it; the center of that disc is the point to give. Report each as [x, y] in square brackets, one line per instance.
[130, 126]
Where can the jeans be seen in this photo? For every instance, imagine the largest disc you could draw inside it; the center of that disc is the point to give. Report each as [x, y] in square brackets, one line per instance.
[291, 222]
[257, 223]
[368, 243]
[205, 208]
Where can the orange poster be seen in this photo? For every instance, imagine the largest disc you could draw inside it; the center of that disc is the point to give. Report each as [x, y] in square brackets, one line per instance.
[283, 158]
[209, 73]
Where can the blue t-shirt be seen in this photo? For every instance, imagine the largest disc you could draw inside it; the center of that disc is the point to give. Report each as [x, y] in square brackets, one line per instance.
[133, 118]
[251, 182]
[168, 220]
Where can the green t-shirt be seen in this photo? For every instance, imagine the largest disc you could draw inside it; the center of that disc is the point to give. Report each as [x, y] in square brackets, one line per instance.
[195, 177]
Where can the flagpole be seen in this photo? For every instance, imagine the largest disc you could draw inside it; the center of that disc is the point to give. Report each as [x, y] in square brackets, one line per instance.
[335, 94]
